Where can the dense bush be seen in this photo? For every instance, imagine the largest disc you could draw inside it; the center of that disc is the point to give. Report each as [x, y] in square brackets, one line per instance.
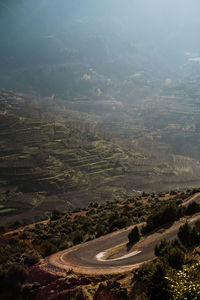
[117, 290]
[171, 253]
[166, 214]
[154, 277]
[192, 208]
[134, 235]
[168, 277]
[15, 258]
[189, 236]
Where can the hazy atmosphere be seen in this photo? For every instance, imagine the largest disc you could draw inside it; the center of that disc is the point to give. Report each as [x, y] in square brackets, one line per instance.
[99, 137]
[119, 77]
[162, 33]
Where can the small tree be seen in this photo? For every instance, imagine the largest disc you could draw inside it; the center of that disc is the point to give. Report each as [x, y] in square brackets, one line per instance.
[158, 287]
[134, 236]
[184, 234]
[160, 248]
[176, 258]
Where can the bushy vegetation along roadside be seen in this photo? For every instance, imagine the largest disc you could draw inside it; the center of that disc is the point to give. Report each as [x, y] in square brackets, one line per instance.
[174, 275]
[16, 256]
[62, 231]
[65, 230]
[169, 213]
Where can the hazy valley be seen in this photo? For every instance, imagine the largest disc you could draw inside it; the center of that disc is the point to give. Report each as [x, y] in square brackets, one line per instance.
[99, 150]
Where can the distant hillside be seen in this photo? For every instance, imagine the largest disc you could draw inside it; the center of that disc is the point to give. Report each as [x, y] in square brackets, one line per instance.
[53, 157]
[49, 159]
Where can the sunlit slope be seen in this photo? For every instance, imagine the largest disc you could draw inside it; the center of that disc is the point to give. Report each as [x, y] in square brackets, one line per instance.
[53, 158]
[49, 161]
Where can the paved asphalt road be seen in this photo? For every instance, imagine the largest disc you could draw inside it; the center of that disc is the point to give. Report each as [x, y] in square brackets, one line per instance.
[82, 258]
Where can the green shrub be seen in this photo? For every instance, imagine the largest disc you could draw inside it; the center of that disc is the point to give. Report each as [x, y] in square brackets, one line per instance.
[153, 276]
[192, 208]
[117, 290]
[172, 253]
[175, 258]
[134, 236]
[184, 234]
[166, 214]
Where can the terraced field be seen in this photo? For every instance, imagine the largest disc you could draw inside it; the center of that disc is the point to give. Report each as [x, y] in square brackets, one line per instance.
[46, 164]
[56, 158]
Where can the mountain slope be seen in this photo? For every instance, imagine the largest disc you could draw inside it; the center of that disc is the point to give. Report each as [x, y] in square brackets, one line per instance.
[49, 159]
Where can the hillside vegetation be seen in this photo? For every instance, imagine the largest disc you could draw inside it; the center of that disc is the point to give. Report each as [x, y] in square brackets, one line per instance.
[21, 249]
[49, 159]
[53, 157]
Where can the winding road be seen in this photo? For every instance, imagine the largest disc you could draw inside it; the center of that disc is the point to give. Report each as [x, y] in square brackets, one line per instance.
[88, 258]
